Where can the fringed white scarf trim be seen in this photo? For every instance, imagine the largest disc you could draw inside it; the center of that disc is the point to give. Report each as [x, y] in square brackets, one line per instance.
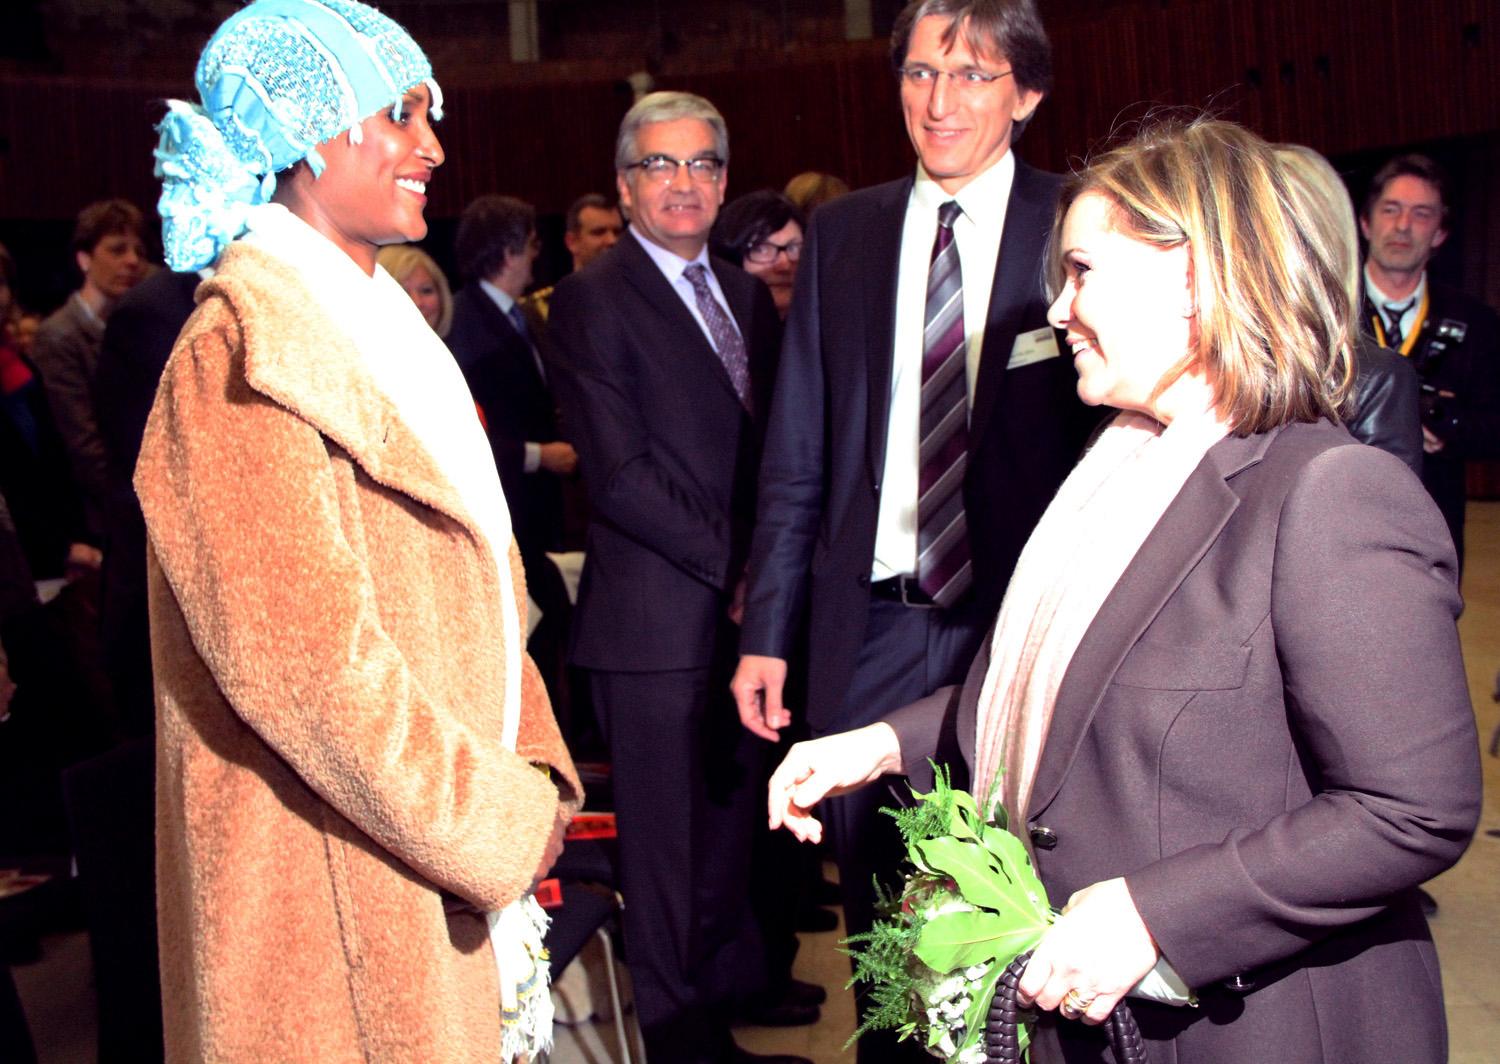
[516, 935]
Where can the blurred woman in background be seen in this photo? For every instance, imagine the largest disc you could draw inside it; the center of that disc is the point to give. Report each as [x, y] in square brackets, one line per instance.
[422, 279]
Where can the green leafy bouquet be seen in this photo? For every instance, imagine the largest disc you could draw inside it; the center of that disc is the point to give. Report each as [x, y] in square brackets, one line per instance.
[971, 904]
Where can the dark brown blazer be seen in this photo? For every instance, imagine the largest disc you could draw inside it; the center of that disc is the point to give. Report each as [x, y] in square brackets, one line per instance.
[1267, 732]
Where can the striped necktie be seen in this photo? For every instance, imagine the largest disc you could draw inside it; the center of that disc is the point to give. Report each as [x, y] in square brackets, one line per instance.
[944, 570]
[1393, 316]
[728, 344]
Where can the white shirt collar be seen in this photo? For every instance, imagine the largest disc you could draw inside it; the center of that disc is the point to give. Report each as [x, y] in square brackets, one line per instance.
[983, 199]
[502, 299]
[87, 311]
[671, 264]
[1381, 300]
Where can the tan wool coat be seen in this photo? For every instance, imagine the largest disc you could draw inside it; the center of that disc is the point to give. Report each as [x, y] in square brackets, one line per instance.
[333, 798]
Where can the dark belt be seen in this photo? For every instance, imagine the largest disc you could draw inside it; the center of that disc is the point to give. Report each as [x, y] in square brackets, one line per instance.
[902, 589]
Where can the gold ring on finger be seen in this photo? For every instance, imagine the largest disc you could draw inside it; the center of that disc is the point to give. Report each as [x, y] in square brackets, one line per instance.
[1076, 1003]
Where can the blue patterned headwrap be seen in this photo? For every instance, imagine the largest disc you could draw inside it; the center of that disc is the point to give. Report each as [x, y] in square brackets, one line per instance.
[277, 79]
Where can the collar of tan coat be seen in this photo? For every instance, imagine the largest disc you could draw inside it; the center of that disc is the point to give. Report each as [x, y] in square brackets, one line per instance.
[332, 392]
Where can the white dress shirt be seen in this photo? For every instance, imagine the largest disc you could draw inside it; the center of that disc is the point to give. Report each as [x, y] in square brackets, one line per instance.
[1381, 301]
[674, 268]
[977, 232]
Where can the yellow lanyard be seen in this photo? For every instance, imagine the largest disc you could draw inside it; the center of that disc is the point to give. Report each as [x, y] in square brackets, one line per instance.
[1410, 340]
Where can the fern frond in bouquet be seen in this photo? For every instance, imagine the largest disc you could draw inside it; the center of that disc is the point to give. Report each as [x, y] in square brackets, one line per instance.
[970, 905]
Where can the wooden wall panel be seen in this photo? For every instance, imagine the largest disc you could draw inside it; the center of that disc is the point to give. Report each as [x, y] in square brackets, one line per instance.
[1341, 75]
[70, 143]
[544, 143]
[843, 117]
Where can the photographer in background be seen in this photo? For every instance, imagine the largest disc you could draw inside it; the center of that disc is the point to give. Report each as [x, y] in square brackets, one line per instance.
[1452, 339]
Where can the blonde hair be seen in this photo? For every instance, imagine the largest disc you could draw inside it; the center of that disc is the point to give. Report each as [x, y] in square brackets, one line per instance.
[403, 260]
[1322, 200]
[810, 189]
[1274, 317]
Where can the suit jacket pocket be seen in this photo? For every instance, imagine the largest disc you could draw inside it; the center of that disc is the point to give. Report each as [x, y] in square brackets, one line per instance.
[1167, 667]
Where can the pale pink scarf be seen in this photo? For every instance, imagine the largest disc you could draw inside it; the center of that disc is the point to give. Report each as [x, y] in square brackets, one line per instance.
[1102, 514]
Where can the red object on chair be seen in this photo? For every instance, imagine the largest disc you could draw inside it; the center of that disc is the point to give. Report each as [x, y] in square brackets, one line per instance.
[592, 826]
[548, 894]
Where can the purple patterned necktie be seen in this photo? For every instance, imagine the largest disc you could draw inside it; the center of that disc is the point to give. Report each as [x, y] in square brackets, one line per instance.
[727, 340]
[944, 570]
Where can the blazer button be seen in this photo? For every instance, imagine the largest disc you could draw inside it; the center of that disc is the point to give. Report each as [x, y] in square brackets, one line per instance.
[1043, 838]
[1240, 984]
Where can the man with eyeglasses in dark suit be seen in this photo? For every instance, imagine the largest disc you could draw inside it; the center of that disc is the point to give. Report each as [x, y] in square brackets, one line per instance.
[664, 360]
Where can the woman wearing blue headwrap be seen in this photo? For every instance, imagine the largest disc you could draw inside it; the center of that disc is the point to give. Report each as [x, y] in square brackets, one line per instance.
[359, 778]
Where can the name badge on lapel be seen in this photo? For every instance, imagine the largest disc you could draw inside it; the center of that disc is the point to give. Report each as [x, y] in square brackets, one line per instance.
[1035, 346]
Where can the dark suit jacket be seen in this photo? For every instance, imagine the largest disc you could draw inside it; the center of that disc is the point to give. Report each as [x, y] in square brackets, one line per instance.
[668, 455]
[1457, 358]
[138, 338]
[36, 478]
[1267, 732]
[1469, 423]
[518, 407]
[66, 351]
[825, 444]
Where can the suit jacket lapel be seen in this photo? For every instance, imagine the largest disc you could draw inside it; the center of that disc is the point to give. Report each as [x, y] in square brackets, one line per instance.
[504, 330]
[1028, 218]
[883, 265]
[642, 273]
[739, 297]
[1187, 529]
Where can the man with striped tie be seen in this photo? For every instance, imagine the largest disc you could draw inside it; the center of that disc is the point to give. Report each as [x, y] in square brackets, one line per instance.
[922, 418]
[1451, 338]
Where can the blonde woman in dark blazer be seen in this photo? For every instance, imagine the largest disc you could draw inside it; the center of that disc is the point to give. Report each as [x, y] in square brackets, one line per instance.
[1225, 682]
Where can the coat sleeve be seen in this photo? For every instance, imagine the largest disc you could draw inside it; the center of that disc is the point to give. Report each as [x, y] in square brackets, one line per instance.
[789, 506]
[1363, 609]
[1386, 410]
[66, 378]
[627, 486]
[918, 726]
[241, 502]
